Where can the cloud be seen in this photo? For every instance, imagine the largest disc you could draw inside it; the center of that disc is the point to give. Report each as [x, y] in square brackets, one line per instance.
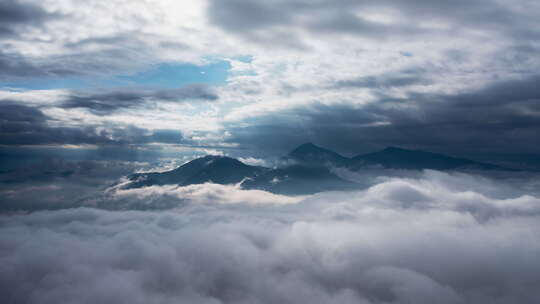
[499, 117]
[254, 161]
[382, 82]
[20, 113]
[54, 38]
[14, 13]
[403, 240]
[16, 66]
[27, 125]
[377, 20]
[107, 103]
[173, 196]
[24, 125]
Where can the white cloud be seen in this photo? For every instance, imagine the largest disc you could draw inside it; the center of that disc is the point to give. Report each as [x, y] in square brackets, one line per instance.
[203, 194]
[408, 240]
[254, 161]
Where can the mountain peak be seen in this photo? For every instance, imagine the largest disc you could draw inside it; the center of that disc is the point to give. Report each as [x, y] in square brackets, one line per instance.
[309, 146]
[309, 172]
[211, 168]
[311, 154]
[399, 158]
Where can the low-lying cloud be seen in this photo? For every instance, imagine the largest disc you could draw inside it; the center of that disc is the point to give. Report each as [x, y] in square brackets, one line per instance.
[172, 196]
[430, 238]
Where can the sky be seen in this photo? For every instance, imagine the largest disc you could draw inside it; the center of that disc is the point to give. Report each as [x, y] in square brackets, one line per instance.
[146, 79]
[93, 91]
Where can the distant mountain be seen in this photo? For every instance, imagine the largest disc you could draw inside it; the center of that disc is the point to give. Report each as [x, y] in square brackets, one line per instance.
[309, 173]
[391, 158]
[297, 179]
[294, 180]
[215, 169]
[310, 154]
[398, 158]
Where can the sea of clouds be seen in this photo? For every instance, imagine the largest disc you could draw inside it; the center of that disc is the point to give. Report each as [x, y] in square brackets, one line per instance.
[427, 237]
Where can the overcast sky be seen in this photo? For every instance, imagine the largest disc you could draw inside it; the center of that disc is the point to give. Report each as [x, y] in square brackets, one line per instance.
[259, 77]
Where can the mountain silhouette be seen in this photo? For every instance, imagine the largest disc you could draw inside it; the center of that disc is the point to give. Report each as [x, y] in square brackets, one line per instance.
[389, 158]
[215, 169]
[310, 154]
[293, 180]
[310, 172]
[398, 158]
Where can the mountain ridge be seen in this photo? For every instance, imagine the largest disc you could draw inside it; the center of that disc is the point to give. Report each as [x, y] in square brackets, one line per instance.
[394, 158]
[311, 170]
[210, 168]
[309, 153]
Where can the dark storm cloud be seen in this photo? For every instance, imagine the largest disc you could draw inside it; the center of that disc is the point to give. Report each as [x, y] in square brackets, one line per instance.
[248, 17]
[502, 117]
[14, 67]
[24, 125]
[463, 246]
[519, 92]
[107, 103]
[15, 13]
[15, 113]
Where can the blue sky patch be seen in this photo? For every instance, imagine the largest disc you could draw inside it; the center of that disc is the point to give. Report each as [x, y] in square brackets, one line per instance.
[176, 75]
[165, 75]
[245, 58]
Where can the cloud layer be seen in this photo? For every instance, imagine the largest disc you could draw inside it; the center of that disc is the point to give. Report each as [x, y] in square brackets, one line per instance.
[436, 238]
